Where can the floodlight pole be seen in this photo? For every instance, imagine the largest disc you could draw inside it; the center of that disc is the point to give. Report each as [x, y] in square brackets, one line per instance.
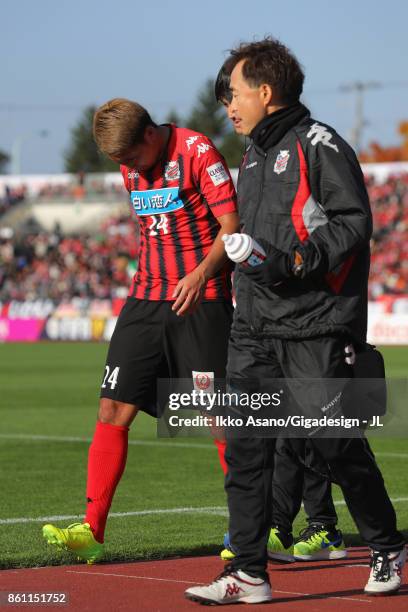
[359, 122]
[17, 146]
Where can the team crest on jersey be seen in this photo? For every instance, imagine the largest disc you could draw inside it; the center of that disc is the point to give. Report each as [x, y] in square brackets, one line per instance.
[172, 171]
[133, 174]
[281, 162]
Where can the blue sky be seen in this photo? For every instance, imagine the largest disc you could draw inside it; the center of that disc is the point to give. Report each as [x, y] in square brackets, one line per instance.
[57, 57]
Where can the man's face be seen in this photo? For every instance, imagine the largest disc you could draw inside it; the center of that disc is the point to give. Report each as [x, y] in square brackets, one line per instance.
[249, 104]
[231, 116]
[142, 156]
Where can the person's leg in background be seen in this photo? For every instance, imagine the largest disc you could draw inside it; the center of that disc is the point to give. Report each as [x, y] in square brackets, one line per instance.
[321, 539]
[300, 473]
[317, 489]
[287, 488]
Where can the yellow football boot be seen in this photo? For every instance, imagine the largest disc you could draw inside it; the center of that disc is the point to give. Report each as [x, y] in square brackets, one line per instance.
[76, 538]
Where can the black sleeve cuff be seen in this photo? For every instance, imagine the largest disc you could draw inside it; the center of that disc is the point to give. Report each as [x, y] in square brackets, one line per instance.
[276, 268]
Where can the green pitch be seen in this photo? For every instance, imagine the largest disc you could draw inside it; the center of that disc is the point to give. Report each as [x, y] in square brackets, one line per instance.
[48, 403]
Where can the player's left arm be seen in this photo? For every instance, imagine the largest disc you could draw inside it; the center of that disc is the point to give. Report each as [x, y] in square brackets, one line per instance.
[189, 290]
[216, 187]
[216, 257]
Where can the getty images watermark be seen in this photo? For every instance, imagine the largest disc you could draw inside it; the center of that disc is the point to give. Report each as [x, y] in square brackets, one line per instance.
[295, 421]
[207, 401]
[243, 407]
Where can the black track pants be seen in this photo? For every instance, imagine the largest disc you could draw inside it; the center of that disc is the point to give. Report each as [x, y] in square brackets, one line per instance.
[250, 460]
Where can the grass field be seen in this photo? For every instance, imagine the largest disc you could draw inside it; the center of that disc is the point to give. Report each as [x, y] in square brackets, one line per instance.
[48, 401]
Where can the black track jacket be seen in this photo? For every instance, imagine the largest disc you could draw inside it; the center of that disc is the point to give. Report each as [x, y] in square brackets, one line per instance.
[306, 193]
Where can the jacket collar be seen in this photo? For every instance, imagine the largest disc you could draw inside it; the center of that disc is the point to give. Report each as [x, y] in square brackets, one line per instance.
[272, 128]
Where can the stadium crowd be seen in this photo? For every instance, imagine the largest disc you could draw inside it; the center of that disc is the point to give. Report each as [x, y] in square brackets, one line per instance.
[389, 245]
[50, 265]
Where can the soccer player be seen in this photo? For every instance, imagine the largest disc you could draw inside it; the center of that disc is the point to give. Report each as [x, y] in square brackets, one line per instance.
[176, 320]
[302, 197]
[292, 480]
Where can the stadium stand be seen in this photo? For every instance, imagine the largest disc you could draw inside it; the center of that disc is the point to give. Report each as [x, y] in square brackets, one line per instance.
[389, 260]
[52, 265]
[49, 265]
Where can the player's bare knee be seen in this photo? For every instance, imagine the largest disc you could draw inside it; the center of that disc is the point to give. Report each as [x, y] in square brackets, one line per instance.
[116, 413]
[106, 412]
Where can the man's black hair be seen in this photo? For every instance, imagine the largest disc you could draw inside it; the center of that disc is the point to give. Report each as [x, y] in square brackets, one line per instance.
[269, 61]
[222, 89]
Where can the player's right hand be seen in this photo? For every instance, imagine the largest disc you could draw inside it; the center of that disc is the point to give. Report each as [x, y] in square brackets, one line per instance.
[188, 293]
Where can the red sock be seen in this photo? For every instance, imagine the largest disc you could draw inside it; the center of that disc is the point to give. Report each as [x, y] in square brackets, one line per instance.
[221, 446]
[106, 462]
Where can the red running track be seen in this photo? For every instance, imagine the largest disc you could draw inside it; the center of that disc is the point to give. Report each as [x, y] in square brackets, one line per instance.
[158, 586]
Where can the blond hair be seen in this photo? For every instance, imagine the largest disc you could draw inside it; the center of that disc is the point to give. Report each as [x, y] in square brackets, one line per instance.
[119, 125]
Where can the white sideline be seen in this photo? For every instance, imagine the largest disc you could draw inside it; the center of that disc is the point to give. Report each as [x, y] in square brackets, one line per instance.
[132, 576]
[216, 510]
[40, 438]
[169, 444]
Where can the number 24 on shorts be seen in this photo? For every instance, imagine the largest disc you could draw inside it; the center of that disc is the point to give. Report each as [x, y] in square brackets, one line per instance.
[110, 378]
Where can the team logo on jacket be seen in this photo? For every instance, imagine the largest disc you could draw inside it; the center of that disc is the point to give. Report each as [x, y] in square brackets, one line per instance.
[320, 133]
[172, 171]
[281, 162]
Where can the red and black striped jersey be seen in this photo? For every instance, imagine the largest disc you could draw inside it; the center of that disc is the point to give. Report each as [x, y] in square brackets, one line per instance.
[177, 203]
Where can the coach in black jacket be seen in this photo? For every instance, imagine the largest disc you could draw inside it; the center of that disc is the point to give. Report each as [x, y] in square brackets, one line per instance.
[302, 195]
[303, 312]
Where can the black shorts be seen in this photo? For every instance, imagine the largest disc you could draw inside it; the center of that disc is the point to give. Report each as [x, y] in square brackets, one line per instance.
[151, 342]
